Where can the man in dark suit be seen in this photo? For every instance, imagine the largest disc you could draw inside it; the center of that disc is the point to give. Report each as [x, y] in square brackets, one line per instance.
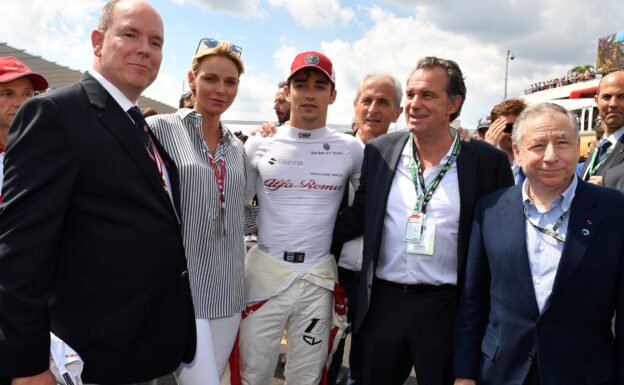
[414, 207]
[377, 105]
[610, 149]
[539, 296]
[90, 243]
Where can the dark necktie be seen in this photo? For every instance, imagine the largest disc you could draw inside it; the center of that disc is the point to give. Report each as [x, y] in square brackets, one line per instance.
[141, 125]
[602, 151]
[142, 130]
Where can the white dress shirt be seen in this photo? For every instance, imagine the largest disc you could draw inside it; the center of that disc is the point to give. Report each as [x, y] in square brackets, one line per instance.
[395, 263]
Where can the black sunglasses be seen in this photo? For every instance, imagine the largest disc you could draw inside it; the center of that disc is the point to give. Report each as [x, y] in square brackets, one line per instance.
[508, 127]
[212, 43]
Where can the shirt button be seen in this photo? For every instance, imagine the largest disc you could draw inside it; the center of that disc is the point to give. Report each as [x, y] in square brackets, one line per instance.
[538, 281]
[541, 248]
[184, 274]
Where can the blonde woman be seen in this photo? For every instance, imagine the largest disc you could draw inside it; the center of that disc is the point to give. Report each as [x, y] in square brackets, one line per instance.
[211, 163]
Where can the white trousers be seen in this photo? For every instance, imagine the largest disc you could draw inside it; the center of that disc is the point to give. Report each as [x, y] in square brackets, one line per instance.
[215, 340]
[305, 310]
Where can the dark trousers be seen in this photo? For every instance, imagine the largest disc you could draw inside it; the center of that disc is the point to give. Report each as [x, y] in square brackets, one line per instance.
[405, 327]
[349, 280]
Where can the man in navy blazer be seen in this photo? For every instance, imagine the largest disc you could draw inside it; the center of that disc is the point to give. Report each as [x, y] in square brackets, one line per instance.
[544, 273]
[406, 304]
[90, 241]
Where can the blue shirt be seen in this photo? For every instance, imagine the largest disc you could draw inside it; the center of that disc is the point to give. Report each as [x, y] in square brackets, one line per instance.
[544, 250]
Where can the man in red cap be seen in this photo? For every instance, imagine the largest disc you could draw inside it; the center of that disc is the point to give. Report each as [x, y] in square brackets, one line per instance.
[17, 84]
[299, 175]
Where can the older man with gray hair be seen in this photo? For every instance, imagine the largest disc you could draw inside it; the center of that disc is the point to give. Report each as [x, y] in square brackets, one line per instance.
[538, 298]
[377, 105]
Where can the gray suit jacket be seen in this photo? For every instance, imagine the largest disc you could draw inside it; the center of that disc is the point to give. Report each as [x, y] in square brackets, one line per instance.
[614, 177]
[615, 158]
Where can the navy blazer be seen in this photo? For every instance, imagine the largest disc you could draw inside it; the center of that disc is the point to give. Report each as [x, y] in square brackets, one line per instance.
[499, 330]
[90, 243]
[481, 168]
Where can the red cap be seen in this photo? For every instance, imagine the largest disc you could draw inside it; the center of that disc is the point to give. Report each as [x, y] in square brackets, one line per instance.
[312, 59]
[12, 68]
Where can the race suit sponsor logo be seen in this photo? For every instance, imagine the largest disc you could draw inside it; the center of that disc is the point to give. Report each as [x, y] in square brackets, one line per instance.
[314, 331]
[326, 152]
[285, 162]
[306, 184]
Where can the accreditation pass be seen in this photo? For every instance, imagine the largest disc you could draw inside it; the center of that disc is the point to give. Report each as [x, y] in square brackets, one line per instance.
[420, 234]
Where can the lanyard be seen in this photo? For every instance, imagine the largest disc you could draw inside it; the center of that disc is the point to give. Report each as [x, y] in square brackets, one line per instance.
[157, 160]
[418, 178]
[550, 232]
[593, 167]
[219, 172]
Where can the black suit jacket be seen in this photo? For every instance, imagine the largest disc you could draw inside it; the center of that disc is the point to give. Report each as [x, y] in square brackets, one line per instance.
[615, 158]
[500, 329]
[481, 168]
[90, 244]
[337, 244]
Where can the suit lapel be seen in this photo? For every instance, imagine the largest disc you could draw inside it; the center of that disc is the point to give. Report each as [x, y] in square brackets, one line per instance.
[466, 177]
[514, 239]
[615, 157]
[379, 183]
[579, 236]
[116, 120]
[387, 168]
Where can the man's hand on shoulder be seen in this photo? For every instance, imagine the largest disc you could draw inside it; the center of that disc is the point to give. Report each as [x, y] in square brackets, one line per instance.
[496, 130]
[464, 381]
[43, 378]
[596, 179]
[464, 134]
[267, 129]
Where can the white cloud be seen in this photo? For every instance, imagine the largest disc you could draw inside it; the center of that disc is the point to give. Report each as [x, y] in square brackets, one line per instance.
[254, 100]
[545, 47]
[284, 56]
[245, 8]
[316, 13]
[394, 45]
[549, 32]
[167, 88]
[51, 28]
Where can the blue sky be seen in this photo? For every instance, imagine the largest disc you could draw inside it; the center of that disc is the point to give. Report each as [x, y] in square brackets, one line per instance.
[547, 37]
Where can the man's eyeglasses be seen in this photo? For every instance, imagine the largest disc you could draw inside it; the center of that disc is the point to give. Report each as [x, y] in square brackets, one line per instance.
[212, 43]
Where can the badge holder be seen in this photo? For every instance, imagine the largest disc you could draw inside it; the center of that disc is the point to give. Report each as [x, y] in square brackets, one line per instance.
[420, 234]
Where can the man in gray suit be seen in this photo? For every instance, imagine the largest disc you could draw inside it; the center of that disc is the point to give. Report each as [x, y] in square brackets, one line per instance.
[614, 177]
[610, 150]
